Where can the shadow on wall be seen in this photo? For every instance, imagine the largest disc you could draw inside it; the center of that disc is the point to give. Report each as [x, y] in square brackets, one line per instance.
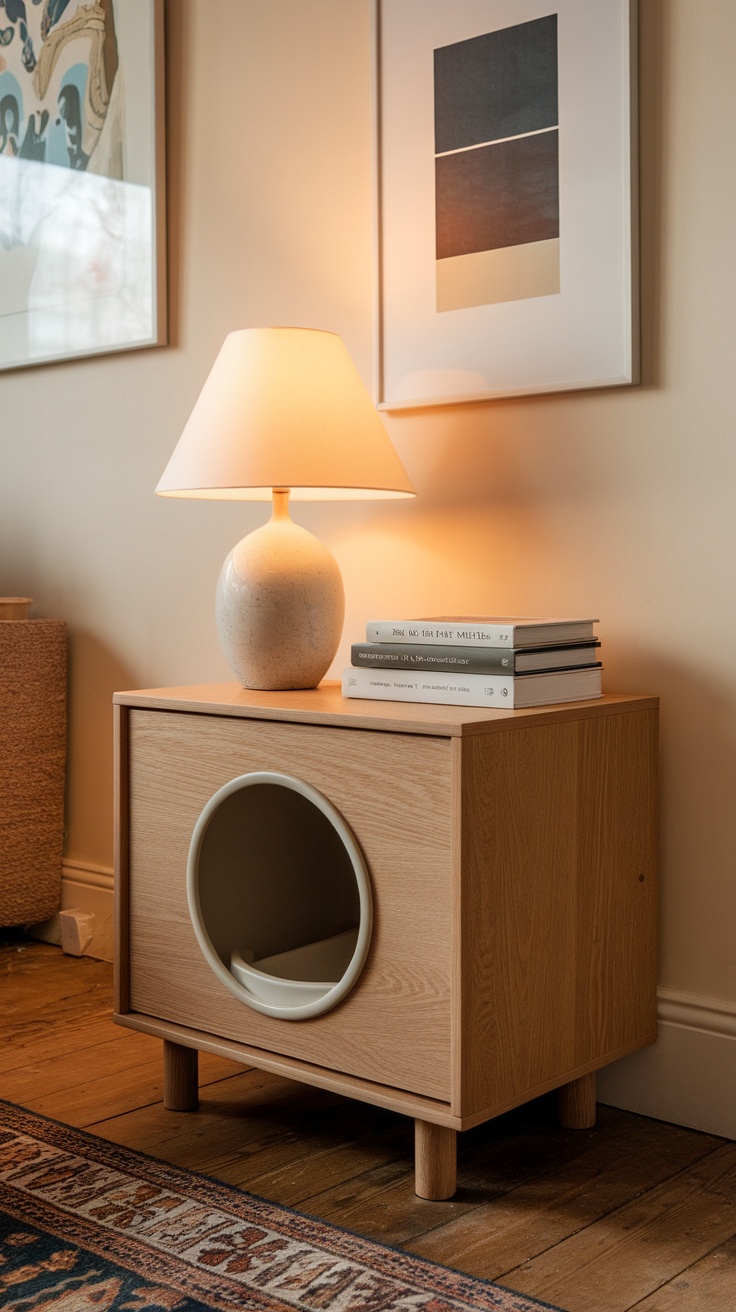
[563, 447]
[698, 820]
[95, 673]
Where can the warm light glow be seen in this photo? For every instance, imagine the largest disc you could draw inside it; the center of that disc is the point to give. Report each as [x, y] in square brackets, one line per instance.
[284, 408]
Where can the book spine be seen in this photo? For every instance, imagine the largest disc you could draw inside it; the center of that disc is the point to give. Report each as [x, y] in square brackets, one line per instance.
[414, 631]
[495, 691]
[420, 656]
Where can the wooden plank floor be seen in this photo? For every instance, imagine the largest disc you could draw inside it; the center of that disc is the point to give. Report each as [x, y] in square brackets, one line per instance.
[633, 1214]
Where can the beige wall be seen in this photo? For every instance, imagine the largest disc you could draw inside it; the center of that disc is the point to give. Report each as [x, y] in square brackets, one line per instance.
[618, 503]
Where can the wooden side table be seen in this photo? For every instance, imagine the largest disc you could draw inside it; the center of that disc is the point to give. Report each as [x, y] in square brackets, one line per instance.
[512, 861]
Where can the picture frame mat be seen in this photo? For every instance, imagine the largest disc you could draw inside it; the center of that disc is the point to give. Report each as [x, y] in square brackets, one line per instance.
[587, 336]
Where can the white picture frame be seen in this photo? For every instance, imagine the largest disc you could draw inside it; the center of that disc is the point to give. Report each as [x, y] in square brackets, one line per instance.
[571, 317]
[82, 190]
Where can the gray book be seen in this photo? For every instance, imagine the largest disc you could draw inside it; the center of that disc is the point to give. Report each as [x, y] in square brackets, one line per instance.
[471, 660]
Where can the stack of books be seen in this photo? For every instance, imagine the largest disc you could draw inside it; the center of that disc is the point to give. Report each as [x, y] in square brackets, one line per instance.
[467, 661]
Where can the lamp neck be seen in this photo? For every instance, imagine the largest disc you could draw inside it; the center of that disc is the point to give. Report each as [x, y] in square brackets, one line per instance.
[280, 506]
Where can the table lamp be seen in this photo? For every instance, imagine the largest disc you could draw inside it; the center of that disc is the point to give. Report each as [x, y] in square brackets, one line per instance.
[283, 414]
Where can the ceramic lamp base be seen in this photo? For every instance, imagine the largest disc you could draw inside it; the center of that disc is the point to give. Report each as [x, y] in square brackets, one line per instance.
[280, 605]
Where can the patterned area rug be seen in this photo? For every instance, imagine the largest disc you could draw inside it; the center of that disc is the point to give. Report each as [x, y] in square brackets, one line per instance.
[87, 1226]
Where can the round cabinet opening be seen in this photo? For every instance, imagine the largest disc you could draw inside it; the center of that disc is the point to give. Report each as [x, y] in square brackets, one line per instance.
[279, 895]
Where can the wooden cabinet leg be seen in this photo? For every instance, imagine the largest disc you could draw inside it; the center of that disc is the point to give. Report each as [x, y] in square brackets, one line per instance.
[181, 1079]
[576, 1103]
[435, 1160]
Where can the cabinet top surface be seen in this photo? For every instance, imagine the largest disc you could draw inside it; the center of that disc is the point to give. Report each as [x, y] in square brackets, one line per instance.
[326, 705]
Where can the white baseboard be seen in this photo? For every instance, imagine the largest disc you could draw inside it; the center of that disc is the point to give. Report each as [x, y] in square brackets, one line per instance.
[86, 888]
[689, 1075]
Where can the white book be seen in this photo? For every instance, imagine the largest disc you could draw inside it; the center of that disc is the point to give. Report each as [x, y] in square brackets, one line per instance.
[482, 631]
[497, 691]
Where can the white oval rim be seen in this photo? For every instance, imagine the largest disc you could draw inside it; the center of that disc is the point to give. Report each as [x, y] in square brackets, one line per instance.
[360, 870]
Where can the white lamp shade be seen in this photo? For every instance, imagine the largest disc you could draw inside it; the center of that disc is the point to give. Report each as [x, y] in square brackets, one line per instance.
[284, 408]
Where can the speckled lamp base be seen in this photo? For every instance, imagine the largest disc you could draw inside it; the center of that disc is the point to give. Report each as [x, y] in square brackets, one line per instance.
[280, 605]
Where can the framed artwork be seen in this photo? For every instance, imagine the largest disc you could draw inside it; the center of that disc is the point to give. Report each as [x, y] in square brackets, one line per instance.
[82, 236]
[506, 198]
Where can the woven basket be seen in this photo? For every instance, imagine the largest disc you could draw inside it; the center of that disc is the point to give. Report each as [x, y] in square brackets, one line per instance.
[32, 768]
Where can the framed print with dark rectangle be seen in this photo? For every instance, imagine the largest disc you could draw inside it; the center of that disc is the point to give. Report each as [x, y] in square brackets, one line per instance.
[506, 198]
[82, 260]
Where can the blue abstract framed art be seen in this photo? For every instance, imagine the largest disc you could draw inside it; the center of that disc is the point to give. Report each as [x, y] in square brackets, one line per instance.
[506, 198]
[82, 267]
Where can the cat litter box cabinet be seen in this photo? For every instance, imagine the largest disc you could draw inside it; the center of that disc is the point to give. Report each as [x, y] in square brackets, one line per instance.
[443, 911]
